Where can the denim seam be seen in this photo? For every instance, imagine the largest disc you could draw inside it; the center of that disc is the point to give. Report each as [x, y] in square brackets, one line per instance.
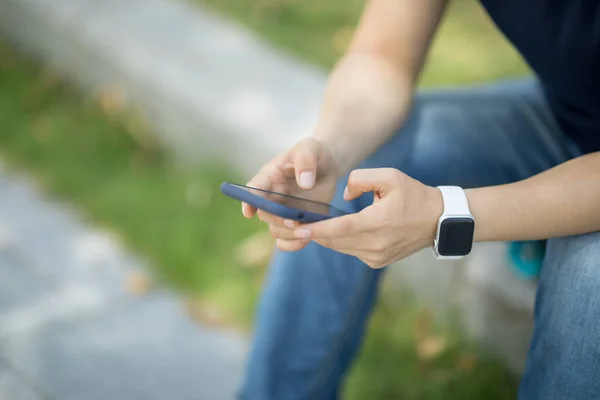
[329, 362]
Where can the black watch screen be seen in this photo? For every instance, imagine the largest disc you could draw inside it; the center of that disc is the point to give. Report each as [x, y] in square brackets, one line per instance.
[456, 237]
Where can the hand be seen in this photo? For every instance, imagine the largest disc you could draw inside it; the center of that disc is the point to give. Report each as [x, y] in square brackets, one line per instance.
[308, 171]
[401, 221]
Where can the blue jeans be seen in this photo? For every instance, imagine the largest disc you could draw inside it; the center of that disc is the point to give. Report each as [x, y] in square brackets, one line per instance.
[316, 302]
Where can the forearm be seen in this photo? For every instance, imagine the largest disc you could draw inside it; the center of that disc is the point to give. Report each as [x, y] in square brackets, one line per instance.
[365, 102]
[562, 201]
[369, 91]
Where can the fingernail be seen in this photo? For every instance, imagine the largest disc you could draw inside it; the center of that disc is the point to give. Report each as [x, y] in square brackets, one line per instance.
[243, 209]
[307, 180]
[302, 233]
[289, 223]
[346, 193]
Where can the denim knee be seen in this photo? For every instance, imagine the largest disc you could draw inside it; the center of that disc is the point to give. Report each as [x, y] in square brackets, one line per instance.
[570, 282]
[564, 357]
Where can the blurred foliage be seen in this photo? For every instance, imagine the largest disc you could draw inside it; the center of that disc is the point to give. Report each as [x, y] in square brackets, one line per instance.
[407, 356]
[102, 156]
[99, 155]
[468, 47]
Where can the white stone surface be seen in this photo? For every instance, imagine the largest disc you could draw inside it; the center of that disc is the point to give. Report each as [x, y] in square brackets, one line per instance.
[70, 329]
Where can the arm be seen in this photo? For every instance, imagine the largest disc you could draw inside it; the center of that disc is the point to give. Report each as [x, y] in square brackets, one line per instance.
[366, 99]
[562, 201]
[369, 91]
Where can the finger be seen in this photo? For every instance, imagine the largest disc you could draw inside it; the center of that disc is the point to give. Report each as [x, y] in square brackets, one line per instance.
[353, 245]
[263, 181]
[269, 218]
[306, 159]
[342, 248]
[339, 245]
[291, 245]
[335, 228]
[378, 180]
[275, 220]
[282, 233]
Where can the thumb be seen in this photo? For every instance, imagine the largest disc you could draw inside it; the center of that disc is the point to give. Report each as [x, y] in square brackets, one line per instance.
[306, 160]
[378, 180]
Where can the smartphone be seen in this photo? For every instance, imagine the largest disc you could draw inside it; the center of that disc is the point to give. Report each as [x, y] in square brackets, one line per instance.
[284, 206]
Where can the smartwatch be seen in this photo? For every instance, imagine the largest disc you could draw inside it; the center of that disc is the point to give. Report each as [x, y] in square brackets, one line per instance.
[456, 226]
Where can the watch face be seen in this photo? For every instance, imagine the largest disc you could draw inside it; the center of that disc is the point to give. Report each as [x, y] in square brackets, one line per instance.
[456, 237]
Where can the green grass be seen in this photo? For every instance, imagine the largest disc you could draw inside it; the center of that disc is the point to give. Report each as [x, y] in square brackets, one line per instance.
[103, 159]
[80, 153]
[468, 48]
[389, 368]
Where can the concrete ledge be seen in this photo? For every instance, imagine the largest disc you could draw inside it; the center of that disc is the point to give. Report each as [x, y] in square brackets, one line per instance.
[72, 327]
[210, 88]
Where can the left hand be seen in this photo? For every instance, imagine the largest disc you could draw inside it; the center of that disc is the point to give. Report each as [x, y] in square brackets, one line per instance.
[401, 221]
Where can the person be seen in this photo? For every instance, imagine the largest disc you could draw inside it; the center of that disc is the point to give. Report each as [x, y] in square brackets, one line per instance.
[525, 152]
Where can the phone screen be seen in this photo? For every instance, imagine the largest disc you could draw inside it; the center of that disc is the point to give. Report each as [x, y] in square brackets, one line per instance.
[296, 202]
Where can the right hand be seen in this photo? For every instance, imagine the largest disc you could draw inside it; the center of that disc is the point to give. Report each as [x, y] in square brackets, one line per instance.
[307, 170]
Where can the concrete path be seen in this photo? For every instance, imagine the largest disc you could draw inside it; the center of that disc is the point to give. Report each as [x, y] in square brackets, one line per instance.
[70, 328]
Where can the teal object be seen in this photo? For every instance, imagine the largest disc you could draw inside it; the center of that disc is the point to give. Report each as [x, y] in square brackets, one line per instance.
[527, 257]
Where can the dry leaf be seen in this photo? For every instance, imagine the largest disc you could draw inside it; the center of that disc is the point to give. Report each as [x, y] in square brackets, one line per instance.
[423, 325]
[204, 313]
[466, 362]
[341, 39]
[255, 250]
[112, 100]
[141, 131]
[138, 283]
[431, 347]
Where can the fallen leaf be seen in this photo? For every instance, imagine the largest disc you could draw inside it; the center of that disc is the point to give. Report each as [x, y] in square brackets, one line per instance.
[423, 324]
[431, 347]
[112, 100]
[466, 362]
[204, 313]
[256, 250]
[259, 279]
[140, 130]
[138, 283]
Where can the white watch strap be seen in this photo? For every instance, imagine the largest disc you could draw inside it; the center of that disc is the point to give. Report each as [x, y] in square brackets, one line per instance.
[455, 201]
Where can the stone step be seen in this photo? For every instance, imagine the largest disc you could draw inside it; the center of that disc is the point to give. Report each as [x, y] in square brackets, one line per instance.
[70, 328]
[209, 87]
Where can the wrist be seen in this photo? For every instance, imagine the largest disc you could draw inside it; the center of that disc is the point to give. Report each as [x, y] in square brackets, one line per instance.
[434, 206]
[365, 103]
[328, 156]
[477, 204]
